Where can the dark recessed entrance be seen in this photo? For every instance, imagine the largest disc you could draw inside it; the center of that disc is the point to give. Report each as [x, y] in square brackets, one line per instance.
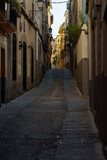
[105, 14]
[2, 75]
[32, 64]
[24, 66]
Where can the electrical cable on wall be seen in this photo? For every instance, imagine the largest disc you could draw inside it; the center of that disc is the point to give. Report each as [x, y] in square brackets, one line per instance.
[57, 2]
[60, 2]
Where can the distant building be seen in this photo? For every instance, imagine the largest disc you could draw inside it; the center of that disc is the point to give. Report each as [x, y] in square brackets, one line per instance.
[67, 57]
[57, 58]
[53, 60]
[61, 44]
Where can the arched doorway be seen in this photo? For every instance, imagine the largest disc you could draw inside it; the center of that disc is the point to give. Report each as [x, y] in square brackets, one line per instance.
[32, 65]
[3, 75]
[14, 58]
[24, 65]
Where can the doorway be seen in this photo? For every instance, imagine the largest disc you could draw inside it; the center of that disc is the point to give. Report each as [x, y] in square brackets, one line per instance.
[2, 75]
[32, 64]
[24, 66]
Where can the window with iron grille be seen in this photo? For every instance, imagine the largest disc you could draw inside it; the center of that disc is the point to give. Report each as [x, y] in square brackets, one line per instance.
[14, 58]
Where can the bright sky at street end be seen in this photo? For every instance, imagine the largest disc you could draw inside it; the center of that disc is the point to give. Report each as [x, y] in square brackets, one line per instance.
[58, 11]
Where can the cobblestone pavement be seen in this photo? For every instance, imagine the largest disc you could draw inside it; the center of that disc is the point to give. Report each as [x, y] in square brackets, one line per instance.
[50, 122]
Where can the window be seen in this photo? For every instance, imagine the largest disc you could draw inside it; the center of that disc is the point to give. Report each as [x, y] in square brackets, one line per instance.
[14, 57]
[33, 10]
[24, 4]
[13, 18]
[24, 26]
[24, 66]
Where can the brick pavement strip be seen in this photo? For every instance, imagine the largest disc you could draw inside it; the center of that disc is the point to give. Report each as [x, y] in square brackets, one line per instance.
[50, 122]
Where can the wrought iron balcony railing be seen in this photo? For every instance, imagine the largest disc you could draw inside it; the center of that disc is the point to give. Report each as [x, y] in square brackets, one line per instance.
[8, 16]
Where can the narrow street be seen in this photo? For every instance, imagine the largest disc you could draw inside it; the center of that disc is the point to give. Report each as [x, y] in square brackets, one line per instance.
[50, 122]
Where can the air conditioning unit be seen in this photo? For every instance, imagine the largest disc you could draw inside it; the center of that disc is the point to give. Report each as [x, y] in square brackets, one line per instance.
[98, 2]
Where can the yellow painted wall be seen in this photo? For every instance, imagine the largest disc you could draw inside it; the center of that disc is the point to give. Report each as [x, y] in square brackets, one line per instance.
[82, 45]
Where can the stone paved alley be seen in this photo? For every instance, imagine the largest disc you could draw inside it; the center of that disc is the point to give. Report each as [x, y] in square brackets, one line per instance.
[52, 121]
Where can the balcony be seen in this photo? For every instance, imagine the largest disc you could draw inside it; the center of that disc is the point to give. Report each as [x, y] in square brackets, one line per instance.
[8, 17]
[7, 27]
[2, 16]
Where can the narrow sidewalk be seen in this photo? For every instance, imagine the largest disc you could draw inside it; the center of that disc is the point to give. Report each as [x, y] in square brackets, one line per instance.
[79, 136]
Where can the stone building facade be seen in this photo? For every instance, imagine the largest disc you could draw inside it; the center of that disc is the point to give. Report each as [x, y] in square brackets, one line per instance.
[81, 61]
[97, 12]
[78, 50]
[23, 64]
[7, 27]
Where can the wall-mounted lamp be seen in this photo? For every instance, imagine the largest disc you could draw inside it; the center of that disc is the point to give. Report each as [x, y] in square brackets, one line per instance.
[40, 3]
[51, 39]
[37, 11]
[50, 30]
[86, 31]
[29, 47]
[20, 45]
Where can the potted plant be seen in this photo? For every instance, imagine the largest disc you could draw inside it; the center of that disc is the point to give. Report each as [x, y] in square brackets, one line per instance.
[15, 5]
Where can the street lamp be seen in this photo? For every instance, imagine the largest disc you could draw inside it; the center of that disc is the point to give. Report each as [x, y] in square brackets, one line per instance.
[33, 13]
[40, 3]
[20, 45]
[50, 30]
